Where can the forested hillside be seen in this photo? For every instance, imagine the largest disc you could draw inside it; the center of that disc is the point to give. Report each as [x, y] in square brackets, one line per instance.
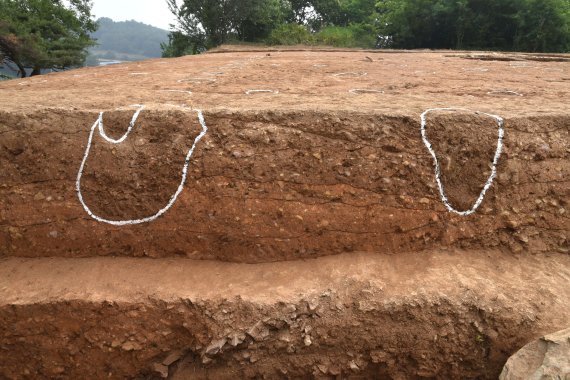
[127, 40]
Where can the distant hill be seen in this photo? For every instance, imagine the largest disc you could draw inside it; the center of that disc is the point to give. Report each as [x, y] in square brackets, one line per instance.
[126, 41]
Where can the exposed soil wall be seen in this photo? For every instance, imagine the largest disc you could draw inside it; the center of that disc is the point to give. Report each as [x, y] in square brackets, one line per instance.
[280, 185]
[311, 238]
[441, 314]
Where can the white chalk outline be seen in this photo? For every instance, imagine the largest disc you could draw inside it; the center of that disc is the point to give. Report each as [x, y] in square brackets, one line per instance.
[182, 91]
[476, 69]
[196, 80]
[519, 64]
[99, 124]
[34, 82]
[504, 92]
[249, 92]
[444, 199]
[359, 91]
[351, 74]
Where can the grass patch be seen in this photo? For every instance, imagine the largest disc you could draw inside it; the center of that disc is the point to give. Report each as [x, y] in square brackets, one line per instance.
[352, 36]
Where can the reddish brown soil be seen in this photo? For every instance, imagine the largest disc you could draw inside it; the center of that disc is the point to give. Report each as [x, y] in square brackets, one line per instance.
[313, 169]
[441, 314]
[280, 186]
[306, 81]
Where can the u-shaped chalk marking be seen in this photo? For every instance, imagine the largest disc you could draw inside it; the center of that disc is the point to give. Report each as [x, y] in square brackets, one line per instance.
[99, 125]
[444, 199]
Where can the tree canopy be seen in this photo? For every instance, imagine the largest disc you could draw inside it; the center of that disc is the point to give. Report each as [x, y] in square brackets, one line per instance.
[523, 25]
[45, 34]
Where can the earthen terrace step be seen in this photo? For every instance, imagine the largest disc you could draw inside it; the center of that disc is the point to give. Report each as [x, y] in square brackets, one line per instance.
[445, 314]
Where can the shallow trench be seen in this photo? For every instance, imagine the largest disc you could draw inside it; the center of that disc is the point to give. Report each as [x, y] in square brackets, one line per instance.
[328, 250]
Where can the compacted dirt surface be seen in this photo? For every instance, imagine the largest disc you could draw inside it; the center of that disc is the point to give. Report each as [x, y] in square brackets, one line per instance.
[301, 229]
[438, 314]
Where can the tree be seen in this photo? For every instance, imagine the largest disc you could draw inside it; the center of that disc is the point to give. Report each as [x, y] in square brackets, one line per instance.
[344, 12]
[180, 44]
[301, 11]
[45, 34]
[209, 23]
[544, 25]
[527, 25]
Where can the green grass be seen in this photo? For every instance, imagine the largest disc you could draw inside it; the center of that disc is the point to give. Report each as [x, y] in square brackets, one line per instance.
[352, 36]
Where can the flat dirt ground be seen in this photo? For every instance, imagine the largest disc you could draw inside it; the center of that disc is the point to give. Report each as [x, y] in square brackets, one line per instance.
[410, 82]
[310, 239]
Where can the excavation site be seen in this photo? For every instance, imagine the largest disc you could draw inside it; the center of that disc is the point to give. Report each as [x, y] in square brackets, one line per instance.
[284, 214]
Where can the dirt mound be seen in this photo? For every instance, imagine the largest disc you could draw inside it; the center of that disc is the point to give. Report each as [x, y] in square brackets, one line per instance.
[258, 161]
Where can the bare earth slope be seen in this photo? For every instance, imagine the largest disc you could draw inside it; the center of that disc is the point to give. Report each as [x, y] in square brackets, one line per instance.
[312, 197]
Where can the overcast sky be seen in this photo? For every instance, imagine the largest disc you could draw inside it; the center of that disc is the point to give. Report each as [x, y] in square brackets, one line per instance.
[152, 12]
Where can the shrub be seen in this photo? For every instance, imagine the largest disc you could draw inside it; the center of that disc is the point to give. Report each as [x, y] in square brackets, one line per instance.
[354, 35]
[290, 34]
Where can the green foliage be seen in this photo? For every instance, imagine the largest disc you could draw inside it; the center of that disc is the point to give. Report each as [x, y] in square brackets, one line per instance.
[45, 34]
[527, 25]
[284, 22]
[215, 22]
[544, 25]
[344, 12]
[290, 34]
[127, 40]
[354, 35]
[180, 44]
[5, 77]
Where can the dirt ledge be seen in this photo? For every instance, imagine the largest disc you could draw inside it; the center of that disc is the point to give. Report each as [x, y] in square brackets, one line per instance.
[446, 314]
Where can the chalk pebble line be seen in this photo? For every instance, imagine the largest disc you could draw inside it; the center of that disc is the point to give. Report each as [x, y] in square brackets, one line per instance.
[444, 199]
[481, 70]
[181, 91]
[249, 92]
[350, 74]
[196, 80]
[504, 92]
[34, 82]
[99, 125]
[359, 91]
[521, 65]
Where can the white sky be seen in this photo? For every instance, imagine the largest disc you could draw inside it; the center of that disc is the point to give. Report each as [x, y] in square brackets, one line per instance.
[152, 12]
